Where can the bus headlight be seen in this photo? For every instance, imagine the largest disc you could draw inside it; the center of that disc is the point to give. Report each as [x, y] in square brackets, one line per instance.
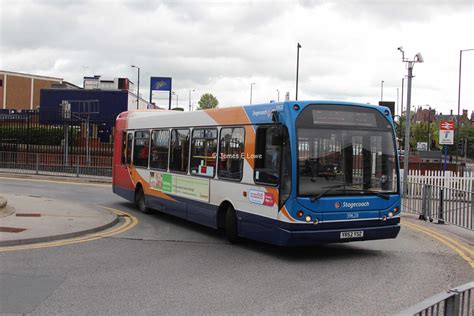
[316, 221]
[308, 218]
[299, 214]
[390, 214]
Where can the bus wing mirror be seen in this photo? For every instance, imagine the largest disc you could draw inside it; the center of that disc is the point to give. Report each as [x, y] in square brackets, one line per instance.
[275, 116]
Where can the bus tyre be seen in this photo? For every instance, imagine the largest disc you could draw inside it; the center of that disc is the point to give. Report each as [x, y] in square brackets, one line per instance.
[140, 201]
[231, 229]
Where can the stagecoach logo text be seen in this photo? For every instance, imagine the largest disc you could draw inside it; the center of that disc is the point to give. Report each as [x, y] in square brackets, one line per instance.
[268, 113]
[354, 204]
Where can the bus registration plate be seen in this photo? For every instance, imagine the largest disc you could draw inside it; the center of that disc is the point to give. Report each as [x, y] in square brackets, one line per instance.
[352, 234]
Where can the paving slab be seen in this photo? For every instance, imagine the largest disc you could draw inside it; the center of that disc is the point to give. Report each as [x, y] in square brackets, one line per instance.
[39, 219]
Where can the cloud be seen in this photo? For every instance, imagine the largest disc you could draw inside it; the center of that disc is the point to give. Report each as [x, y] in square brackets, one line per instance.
[218, 46]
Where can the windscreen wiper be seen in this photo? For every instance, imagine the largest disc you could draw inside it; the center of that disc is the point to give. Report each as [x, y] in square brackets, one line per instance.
[329, 189]
[382, 195]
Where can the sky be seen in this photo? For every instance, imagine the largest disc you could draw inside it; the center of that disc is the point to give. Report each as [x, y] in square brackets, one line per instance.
[221, 47]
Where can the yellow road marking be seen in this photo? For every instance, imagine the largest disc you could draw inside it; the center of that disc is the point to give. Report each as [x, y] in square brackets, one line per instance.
[129, 222]
[451, 243]
[465, 248]
[56, 181]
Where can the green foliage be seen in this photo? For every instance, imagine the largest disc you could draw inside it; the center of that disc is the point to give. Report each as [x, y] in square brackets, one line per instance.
[34, 135]
[419, 133]
[208, 101]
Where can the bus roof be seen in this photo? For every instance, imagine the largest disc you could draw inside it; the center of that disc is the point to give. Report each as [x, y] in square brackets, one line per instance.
[237, 115]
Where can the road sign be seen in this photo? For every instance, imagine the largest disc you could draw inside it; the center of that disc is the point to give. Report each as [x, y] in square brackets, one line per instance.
[420, 146]
[446, 132]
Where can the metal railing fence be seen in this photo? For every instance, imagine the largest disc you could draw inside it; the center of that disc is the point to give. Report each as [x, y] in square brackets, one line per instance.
[455, 302]
[443, 204]
[55, 164]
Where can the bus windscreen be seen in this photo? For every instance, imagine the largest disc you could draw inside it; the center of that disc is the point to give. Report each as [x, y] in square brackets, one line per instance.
[349, 148]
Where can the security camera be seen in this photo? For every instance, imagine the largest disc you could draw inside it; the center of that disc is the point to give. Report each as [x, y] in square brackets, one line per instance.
[400, 48]
[419, 58]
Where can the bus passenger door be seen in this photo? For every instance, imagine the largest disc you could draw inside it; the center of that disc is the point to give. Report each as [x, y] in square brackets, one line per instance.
[122, 183]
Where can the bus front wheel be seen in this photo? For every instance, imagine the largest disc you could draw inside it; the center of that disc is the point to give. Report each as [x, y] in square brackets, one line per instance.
[140, 201]
[231, 228]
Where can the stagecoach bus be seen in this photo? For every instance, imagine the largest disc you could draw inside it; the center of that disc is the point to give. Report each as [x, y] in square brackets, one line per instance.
[292, 173]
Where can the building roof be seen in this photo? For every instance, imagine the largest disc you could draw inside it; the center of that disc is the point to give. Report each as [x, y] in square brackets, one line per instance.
[22, 74]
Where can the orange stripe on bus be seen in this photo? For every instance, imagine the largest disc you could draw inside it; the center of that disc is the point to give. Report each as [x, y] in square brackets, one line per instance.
[136, 177]
[229, 116]
[284, 211]
[250, 146]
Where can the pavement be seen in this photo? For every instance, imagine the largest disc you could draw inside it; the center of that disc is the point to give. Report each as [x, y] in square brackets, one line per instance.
[28, 219]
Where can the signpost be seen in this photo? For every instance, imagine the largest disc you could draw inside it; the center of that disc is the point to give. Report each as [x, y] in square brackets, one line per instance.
[446, 137]
[446, 132]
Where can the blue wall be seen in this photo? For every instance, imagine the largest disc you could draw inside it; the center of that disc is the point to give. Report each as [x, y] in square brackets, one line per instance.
[111, 102]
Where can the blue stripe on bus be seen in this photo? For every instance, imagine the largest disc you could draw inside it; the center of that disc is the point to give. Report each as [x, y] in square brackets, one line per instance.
[266, 229]
[289, 234]
[125, 193]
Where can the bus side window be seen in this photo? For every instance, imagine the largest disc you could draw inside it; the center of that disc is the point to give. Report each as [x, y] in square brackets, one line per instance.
[141, 148]
[203, 152]
[231, 151]
[267, 161]
[128, 154]
[179, 150]
[159, 149]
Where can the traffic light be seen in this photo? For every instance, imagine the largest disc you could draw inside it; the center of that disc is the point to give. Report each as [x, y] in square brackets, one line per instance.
[460, 146]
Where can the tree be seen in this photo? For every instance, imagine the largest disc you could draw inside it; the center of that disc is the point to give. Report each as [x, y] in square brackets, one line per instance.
[208, 101]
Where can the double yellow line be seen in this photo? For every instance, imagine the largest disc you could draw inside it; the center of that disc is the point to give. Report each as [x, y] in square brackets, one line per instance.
[128, 223]
[465, 251]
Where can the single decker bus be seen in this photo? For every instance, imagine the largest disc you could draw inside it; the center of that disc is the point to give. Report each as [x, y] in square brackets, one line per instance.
[293, 173]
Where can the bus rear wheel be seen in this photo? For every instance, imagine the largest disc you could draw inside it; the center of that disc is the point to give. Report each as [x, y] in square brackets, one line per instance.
[140, 201]
[231, 228]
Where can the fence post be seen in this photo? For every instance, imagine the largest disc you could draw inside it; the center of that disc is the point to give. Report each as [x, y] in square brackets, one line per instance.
[424, 197]
[429, 204]
[452, 304]
[37, 163]
[472, 210]
[77, 166]
[441, 206]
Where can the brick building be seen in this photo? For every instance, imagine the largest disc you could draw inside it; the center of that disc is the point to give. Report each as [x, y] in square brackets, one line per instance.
[424, 115]
[21, 91]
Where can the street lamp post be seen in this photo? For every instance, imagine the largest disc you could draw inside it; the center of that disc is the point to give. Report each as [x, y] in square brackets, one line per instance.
[297, 67]
[190, 99]
[251, 88]
[410, 64]
[429, 123]
[138, 85]
[459, 97]
[381, 91]
[278, 91]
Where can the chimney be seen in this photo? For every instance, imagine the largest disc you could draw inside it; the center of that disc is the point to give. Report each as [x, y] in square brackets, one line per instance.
[451, 112]
[464, 113]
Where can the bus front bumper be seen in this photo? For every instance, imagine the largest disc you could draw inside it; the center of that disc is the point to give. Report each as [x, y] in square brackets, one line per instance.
[314, 237]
